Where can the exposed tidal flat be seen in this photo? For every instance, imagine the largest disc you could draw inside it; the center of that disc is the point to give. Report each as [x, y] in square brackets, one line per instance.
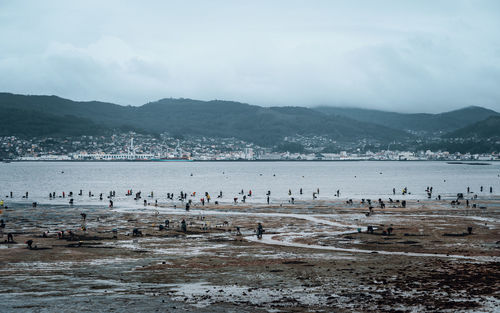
[315, 255]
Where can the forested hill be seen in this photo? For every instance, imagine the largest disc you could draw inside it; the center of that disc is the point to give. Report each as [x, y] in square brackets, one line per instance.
[253, 123]
[265, 126]
[31, 116]
[418, 122]
[489, 128]
[29, 123]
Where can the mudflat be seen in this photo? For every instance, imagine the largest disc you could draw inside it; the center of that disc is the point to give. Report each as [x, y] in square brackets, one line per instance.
[314, 256]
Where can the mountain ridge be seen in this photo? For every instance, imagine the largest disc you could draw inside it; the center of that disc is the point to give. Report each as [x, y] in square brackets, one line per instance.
[222, 118]
[416, 122]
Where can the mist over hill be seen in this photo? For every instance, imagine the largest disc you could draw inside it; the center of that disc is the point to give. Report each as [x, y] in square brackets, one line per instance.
[32, 116]
[416, 122]
[265, 126]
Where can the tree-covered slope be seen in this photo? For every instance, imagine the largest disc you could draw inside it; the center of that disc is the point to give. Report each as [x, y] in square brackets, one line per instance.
[487, 128]
[266, 126]
[25, 123]
[418, 122]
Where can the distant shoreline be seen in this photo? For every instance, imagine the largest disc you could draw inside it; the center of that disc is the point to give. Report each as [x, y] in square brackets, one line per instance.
[151, 161]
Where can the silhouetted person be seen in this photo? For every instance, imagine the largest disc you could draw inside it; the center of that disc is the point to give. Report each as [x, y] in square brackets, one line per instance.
[260, 231]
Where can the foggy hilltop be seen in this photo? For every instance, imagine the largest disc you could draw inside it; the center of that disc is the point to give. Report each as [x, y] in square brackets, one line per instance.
[32, 116]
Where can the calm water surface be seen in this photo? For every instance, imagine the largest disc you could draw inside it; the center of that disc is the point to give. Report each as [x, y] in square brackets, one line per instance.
[353, 179]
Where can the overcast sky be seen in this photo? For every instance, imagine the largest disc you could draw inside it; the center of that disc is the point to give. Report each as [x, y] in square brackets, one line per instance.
[411, 56]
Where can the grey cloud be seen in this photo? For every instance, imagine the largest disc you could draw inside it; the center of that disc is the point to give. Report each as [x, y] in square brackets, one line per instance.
[405, 56]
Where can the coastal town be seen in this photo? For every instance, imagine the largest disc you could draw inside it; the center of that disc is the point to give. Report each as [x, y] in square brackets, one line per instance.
[146, 147]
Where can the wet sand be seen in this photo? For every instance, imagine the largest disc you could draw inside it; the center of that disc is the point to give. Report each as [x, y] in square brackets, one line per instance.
[311, 258]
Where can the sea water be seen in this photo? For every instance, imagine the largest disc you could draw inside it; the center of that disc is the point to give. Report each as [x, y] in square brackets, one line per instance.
[356, 180]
